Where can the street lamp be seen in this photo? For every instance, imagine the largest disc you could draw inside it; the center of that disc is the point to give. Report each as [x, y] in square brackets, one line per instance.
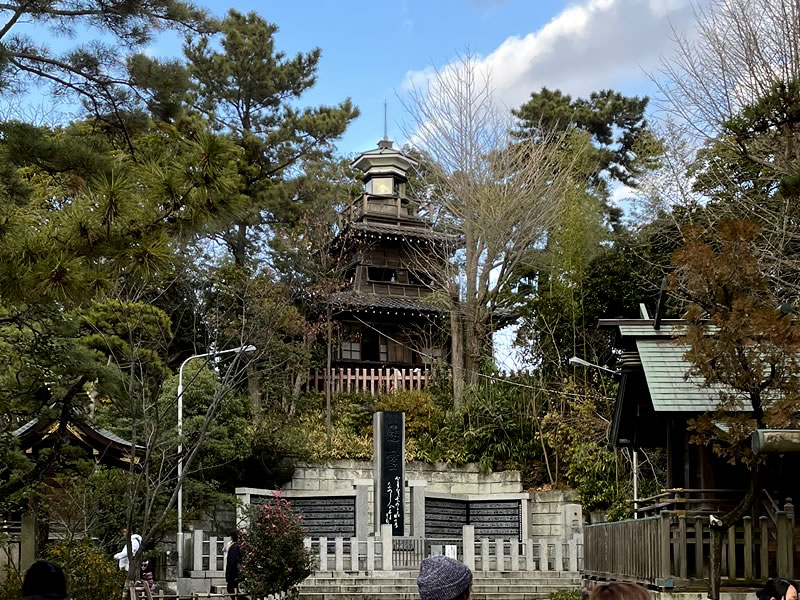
[238, 349]
[579, 362]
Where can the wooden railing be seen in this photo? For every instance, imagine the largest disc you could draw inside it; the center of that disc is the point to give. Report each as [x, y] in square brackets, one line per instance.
[672, 550]
[689, 501]
[372, 381]
[632, 549]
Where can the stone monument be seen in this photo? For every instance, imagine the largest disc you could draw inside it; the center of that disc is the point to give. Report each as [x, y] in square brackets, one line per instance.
[389, 458]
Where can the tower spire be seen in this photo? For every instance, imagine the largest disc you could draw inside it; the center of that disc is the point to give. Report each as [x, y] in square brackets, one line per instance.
[385, 128]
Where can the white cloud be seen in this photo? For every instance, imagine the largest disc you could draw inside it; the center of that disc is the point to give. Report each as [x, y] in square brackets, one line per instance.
[591, 45]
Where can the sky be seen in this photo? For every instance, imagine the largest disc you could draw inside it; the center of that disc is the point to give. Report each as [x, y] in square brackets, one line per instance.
[371, 51]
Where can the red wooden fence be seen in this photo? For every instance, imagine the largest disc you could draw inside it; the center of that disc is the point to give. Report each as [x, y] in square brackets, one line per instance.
[373, 381]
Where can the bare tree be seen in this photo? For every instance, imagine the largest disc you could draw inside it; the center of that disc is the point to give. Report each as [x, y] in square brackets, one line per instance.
[733, 90]
[499, 196]
[135, 336]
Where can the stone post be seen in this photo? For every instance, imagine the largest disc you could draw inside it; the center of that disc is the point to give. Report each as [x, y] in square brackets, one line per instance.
[469, 546]
[27, 547]
[197, 548]
[386, 547]
[417, 507]
[362, 507]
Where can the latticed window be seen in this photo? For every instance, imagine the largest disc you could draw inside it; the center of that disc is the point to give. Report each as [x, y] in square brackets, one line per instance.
[350, 350]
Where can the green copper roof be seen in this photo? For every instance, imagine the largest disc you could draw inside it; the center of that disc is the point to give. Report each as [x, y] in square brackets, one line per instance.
[665, 369]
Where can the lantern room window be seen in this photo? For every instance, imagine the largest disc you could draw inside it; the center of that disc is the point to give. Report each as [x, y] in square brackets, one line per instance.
[381, 186]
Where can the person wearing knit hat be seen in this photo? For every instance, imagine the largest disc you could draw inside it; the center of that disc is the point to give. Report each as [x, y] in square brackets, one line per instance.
[442, 578]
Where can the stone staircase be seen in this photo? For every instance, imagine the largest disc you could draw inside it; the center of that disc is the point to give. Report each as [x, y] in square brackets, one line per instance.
[402, 585]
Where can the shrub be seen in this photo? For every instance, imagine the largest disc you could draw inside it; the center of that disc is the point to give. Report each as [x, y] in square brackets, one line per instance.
[422, 414]
[90, 573]
[566, 595]
[10, 581]
[274, 558]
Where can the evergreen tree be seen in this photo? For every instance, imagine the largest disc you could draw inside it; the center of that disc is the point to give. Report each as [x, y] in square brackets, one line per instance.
[249, 89]
[93, 71]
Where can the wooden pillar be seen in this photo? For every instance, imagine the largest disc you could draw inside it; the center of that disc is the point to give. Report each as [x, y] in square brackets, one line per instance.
[677, 465]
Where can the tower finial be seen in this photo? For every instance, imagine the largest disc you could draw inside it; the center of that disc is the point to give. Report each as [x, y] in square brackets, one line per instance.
[385, 129]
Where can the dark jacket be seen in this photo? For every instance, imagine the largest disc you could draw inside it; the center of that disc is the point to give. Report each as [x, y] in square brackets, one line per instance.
[232, 567]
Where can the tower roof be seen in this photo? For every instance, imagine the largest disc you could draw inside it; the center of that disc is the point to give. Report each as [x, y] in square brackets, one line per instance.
[383, 160]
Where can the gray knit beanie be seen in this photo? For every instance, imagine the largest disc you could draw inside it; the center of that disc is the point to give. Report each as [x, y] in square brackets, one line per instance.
[442, 578]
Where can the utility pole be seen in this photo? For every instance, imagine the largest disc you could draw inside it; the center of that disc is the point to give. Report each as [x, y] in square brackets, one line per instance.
[328, 383]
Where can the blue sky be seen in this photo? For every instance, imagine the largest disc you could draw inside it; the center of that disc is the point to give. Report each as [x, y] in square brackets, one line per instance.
[371, 49]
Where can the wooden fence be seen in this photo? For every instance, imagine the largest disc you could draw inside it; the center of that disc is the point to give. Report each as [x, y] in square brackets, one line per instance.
[672, 550]
[372, 381]
[388, 380]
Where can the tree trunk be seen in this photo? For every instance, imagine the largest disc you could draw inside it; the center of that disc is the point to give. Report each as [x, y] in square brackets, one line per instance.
[472, 352]
[726, 522]
[715, 561]
[254, 388]
[328, 383]
[42, 521]
[238, 243]
[457, 355]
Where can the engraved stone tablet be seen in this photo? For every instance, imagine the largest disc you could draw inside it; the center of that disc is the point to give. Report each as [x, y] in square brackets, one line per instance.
[389, 461]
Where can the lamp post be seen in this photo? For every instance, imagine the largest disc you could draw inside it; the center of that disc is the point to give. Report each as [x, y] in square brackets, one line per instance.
[238, 349]
[579, 362]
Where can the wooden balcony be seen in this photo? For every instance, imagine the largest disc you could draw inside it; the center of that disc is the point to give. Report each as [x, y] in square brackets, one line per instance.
[389, 206]
[392, 288]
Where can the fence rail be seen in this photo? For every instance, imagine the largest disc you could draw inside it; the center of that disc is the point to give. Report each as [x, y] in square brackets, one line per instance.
[672, 550]
[388, 553]
[386, 380]
[372, 381]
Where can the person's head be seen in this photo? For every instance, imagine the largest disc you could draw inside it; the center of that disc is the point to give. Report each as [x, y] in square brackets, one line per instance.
[442, 578]
[125, 532]
[778, 588]
[44, 579]
[235, 536]
[619, 591]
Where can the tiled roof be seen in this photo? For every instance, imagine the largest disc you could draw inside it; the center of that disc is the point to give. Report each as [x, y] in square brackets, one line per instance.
[386, 229]
[665, 369]
[356, 300]
[103, 434]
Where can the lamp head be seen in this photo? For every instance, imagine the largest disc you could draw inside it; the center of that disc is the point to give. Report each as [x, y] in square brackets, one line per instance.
[579, 362]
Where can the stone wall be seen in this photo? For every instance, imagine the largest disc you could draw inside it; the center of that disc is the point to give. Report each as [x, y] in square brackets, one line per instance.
[556, 514]
[553, 514]
[440, 477]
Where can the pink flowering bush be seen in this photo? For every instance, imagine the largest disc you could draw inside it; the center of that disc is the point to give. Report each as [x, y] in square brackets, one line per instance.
[274, 558]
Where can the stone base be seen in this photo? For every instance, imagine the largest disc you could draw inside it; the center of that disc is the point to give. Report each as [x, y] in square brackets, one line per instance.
[201, 582]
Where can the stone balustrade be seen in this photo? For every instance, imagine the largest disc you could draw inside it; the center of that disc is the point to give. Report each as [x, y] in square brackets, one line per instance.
[387, 553]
